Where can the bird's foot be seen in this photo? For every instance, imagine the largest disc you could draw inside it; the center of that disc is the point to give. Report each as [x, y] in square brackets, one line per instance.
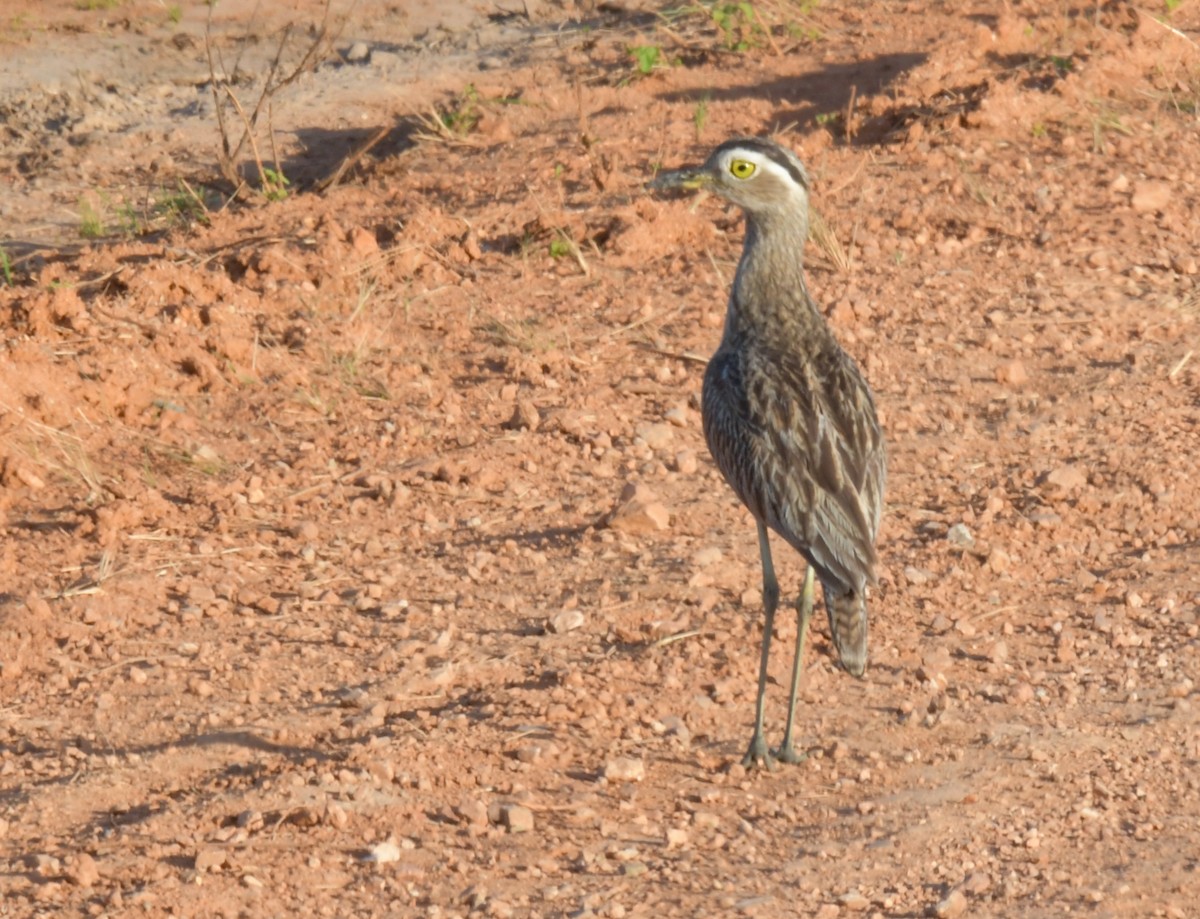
[759, 755]
[787, 753]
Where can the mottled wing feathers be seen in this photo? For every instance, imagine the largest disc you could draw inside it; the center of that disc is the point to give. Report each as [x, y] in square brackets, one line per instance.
[797, 439]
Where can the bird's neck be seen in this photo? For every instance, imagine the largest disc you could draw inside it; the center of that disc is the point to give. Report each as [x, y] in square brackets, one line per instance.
[770, 297]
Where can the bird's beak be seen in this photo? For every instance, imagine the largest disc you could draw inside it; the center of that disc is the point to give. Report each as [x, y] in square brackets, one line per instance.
[690, 178]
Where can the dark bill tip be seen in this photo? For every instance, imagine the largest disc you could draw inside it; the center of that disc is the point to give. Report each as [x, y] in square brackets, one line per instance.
[679, 178]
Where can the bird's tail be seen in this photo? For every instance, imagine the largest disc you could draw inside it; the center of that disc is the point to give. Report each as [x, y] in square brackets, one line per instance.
[848, 625]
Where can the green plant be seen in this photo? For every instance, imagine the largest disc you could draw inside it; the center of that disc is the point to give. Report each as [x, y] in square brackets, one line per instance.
[6, 267]
[91, 223]
[1170, 6]
[182, 206]
[560, 247]
[1039, 129]
[738, 25]
[97, 4]
[274, 184]
[646, 57]
[175, 13]
[700, 115]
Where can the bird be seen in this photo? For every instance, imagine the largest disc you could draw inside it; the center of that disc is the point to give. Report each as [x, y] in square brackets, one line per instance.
[789, 417]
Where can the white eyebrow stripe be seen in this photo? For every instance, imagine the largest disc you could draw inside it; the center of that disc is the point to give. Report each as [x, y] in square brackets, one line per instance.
[760, 160]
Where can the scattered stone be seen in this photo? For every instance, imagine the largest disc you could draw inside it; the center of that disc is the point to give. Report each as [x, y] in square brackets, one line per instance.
[358, 53]
[960, 537]
[1021, 694]
[210, 858]
[625, 769]
[384, 852]
[472, 811]
[638, 510]
[81, 870]
[686, 462]
[1012, 373]
[525, 415]
[998, 560]
[1149, 197]
[656, 436]
[952, 907]
[1066, 478]
[567, 620]
[916, 576]
[854, 901]
[515, 818]
[676, 838]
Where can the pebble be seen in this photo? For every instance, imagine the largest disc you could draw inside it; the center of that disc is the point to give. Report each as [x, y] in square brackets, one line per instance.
[625, 769]
[384, 852]
[81, 870]
[854, 901]
[953, 906]
[1012, 373]
[516, 818]
[639, 511]
[210, 858]
[656, 436]
[358, 53]
[686, 463]
[567, 620]
[960, 537]
[1066, 478]
[1149, 197]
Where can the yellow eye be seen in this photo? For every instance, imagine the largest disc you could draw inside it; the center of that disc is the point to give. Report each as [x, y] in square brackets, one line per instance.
[742, 169]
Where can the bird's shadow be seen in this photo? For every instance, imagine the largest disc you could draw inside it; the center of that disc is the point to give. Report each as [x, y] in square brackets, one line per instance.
[802, 98]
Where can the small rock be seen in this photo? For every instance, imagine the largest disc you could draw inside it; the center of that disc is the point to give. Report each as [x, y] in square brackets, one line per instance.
[953, 906]
[358, 53]
[1021, 694]
[525, 415]
[916, 576]
[960, 537]
[676, 838]
[1149, 197]
[707, 556]
[998, 560]
[941, 623]
[1012, 373]
[516, 818]
[1066, 478]
[854, 901]
[656, 436]
[363, 242]
[210, 858]
[567, 620]
[384, 852]
[686, 463]
[638, 510]
[978, 882]
[999, 652]
[472, 812]
[625, 769]
[82, 871]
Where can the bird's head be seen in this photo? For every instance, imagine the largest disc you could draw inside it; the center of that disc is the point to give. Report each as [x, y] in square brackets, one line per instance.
[760, 176]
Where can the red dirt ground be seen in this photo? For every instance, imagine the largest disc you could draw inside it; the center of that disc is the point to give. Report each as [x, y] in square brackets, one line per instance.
[312, 597]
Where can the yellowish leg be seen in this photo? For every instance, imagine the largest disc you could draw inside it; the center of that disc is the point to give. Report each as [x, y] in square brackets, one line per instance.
[804, 608]
[758, 752]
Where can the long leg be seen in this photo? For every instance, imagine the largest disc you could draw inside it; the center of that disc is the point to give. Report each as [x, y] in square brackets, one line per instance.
[804, 609]
[758, 745]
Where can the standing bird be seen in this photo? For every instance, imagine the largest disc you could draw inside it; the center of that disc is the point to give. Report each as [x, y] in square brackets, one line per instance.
[788, 416]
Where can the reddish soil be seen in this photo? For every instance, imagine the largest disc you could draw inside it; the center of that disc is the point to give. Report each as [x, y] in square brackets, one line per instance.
[312, 597]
